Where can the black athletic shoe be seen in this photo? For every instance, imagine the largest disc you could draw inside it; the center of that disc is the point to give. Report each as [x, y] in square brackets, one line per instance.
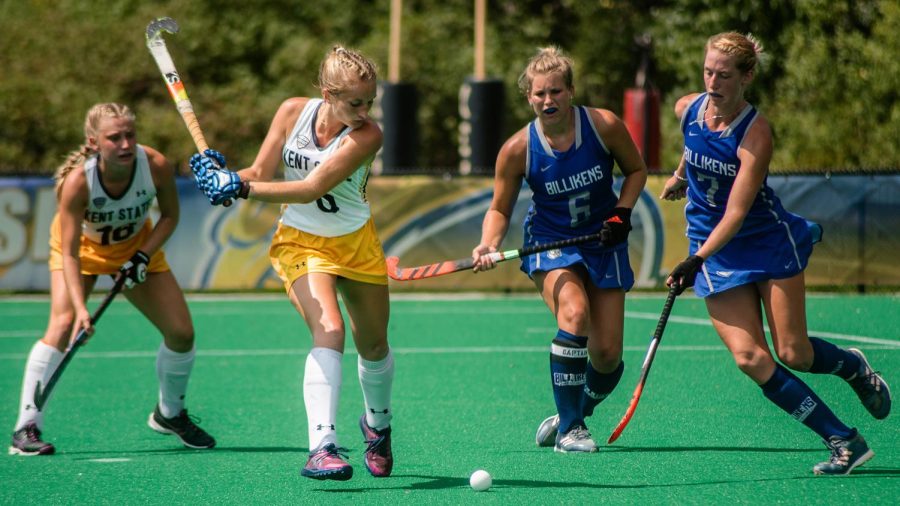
[27, 441]
[846, 454]
[871, 388]
[183, 426]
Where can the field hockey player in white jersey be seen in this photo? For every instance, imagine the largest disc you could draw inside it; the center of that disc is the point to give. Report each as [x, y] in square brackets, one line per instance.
[105, 190]
[748, 254]
[325, 245]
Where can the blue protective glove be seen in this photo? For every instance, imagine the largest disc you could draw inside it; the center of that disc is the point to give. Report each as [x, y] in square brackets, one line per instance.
[222, 185]
[203, 165]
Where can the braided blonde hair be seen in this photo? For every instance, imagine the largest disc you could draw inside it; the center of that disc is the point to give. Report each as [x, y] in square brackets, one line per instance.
[548, 60]
[91, 124]
[746, 49]
[343, 67]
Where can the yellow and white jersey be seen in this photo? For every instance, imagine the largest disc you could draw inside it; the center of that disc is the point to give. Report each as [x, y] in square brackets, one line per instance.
[344, 208]
[109, 220]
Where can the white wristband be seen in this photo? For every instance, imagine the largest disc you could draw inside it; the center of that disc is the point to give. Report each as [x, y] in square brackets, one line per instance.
[682, 179]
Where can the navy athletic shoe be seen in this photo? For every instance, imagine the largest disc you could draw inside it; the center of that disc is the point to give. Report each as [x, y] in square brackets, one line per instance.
[183, 426]
[546, 433]
[846, 454]
[871, 388]
[327, 463]
[27, 441]
[379, 459]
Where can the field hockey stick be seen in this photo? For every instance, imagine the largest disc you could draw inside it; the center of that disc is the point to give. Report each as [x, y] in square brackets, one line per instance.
[451, 266]
[41, 395]
[645, 370]
[160, 52]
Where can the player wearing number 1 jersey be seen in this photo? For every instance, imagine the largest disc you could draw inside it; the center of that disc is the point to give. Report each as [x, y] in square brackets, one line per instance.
[747, 255]
[105, 191]
[325, 245]
[566, 155]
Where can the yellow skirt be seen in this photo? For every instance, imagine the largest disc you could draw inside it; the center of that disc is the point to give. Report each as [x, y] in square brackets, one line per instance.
[357, 255]
[104, 259]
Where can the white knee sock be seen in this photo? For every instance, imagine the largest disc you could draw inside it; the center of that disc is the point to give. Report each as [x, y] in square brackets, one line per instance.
[42, 362]
[376, 380]
[173, 370]
[321, 392]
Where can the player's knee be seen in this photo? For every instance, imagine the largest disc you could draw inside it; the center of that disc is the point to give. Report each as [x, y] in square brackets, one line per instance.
[605, 357]
[794, 360]
[331, 327]
[373, 351]
[181, 335]
[573, 316]
[751, 362]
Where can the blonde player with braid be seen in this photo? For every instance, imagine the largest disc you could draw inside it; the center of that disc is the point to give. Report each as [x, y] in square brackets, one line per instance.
[105, 190]
[748, 254]
[326, 245]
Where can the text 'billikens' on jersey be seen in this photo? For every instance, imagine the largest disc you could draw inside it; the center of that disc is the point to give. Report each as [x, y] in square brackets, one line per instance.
[574, 181]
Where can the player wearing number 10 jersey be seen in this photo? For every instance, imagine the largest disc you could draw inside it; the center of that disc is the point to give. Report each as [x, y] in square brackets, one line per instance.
[105, 190]
[566, 155]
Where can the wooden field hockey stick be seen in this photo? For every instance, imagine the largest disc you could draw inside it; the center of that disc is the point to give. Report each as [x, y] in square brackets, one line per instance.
[42, 394]
[645, 369]
[451, 266]
[160, 52]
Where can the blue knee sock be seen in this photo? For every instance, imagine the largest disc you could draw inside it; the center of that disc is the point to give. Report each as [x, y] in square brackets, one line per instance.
[829, 359]
[798, 400]
[568, 358]
[598, 386]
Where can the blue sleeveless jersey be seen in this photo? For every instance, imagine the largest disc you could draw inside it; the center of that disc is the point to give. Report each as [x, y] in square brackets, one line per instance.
[572, 189]
[771, 243]
[712, 164]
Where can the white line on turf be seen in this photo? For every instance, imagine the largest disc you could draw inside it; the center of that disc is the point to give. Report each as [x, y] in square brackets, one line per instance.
[21, 333]
[301, 352]
[110, 460]
[889, 343]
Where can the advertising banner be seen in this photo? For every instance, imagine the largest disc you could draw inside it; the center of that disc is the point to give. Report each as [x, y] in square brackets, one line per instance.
[425, 219]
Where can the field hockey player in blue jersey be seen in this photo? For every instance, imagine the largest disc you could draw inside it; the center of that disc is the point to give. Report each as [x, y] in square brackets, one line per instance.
[748, 254]
[325, 245]
[102, 226]
[567, 155]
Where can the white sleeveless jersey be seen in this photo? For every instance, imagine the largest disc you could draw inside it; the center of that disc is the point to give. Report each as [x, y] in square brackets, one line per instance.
[109, 220]
[344, 208]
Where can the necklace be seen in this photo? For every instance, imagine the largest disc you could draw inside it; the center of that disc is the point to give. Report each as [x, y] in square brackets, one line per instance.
[720, 116]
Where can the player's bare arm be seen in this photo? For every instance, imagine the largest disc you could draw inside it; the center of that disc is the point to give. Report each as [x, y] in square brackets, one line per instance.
[755, 154]
[167, 196]
[616, 137]
[356, 150]
[682, 104]
[510, 169]
[268, 159]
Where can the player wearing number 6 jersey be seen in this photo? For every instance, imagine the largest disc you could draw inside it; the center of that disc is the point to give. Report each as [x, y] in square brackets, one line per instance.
[747, 252]
[566, 155]
[104, 191]
[325, 245]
